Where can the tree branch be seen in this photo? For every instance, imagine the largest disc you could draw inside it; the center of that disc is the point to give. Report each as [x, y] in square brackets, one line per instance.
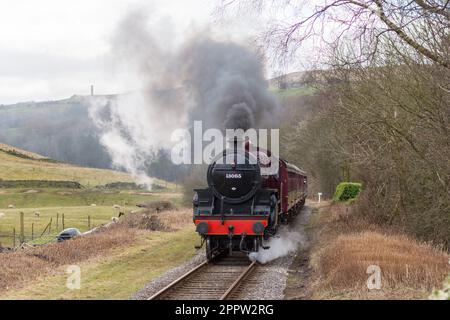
[437, 10]
[415, 45]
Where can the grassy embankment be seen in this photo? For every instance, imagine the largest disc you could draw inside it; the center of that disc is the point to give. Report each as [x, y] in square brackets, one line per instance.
[344, 246]
[17, 164]
[114, 264]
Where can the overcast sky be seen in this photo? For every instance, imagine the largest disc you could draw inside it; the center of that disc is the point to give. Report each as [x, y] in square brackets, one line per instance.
[52, 49]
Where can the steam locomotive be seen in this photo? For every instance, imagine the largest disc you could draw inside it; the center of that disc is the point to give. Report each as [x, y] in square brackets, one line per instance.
[246, 202]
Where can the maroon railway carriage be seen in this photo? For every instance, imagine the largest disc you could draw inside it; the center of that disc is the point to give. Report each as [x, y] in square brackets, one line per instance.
[245, 203]
[291, 184]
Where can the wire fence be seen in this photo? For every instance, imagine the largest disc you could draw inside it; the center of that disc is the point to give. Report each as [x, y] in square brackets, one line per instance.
[35, 235]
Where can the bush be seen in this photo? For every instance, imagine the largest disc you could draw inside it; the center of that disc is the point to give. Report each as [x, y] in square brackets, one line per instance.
[346, 191]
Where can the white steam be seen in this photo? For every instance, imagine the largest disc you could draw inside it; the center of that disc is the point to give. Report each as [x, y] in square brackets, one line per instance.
[135, 125]
[128, 147]
[285, 243]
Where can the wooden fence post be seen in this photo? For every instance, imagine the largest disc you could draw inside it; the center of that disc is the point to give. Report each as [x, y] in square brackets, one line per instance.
[22, 231]
[89, 222]
[45, 229]
[57, 221]
[32, 231]
[50, 228]
[14, 237]
[62, 220]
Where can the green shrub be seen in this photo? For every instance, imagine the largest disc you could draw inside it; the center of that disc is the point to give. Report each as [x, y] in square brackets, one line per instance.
[346, 191]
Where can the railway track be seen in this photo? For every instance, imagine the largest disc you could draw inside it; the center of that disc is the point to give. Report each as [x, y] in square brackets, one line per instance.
[220, 279]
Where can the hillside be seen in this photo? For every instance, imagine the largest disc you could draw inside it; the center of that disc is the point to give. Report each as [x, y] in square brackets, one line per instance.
[21, 153]
[17, 164]
[63, 130]
[60, 130]
[31, 183]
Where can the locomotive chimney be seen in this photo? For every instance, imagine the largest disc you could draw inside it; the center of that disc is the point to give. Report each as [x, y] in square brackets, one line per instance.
[248, 145]
[235, 143]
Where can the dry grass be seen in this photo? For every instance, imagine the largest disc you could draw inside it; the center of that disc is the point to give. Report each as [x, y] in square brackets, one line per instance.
[176, 219]
[19, 267]
[162, 221]
[403, 261]
[157, 206]
[14, 150]
[117, 274]
[345, 245]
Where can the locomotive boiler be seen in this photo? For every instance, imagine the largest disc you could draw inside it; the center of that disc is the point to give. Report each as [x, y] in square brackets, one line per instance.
[244, 204]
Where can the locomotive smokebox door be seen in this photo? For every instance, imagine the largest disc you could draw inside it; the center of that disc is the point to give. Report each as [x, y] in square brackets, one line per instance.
[234, 176]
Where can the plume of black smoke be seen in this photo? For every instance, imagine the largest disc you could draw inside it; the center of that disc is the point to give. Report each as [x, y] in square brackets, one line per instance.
[239, 116]
[224, 78]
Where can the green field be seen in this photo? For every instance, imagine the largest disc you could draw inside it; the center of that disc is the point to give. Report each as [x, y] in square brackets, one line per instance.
[17, 164]
[38, 198]
[76, 217]
[16, 168]
[76, 204]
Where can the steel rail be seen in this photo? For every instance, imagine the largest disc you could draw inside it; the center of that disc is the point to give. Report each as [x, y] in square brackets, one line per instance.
[176, 281]
[229, 289]
[237, 281]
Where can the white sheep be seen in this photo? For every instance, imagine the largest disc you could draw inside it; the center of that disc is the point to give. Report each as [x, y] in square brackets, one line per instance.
[93, 205]
[114, 219]
[116, 206]
[37, 214]
[11, 206]
[2, 214]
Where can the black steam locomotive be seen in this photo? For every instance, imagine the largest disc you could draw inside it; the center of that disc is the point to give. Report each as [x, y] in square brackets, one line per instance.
[244, 204]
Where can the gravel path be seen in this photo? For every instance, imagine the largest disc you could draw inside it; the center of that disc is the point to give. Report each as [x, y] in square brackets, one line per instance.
[268, 283]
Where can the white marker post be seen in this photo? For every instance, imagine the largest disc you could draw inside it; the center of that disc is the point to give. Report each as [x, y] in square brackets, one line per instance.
[320, 195]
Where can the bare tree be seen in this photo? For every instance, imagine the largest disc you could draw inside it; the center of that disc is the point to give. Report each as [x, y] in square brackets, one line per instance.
[385, 121]
[419, 25]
